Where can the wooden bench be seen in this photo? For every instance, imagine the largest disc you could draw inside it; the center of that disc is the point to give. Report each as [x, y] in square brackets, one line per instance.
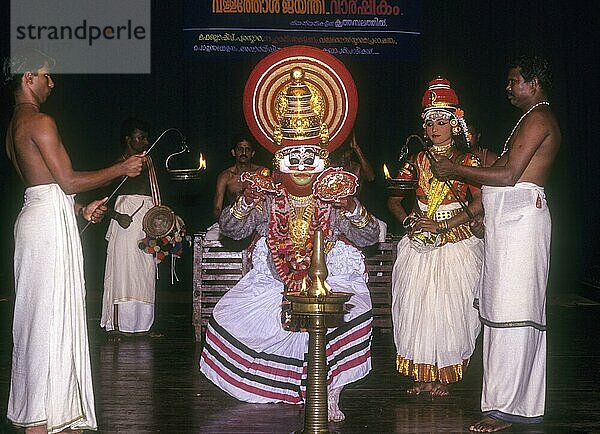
[217, 270]
[379, 261]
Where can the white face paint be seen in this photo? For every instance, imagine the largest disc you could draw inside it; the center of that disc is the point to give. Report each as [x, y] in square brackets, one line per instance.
[301, 159]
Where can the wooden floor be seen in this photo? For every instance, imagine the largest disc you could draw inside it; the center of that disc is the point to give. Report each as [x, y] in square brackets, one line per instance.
[145, 385]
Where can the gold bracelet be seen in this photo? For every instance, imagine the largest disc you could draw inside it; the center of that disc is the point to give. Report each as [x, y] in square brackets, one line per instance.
[443, 227]
[237, 213]
[239, 209]
[363, 220]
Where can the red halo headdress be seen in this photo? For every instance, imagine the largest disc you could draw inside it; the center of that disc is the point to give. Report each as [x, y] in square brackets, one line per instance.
[318, 80]
[440, 100]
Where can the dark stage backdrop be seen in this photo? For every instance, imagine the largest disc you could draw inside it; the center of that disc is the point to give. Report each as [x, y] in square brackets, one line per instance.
[468, 42]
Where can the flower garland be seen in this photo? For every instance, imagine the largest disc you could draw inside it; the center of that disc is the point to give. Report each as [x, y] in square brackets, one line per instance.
[292, 261]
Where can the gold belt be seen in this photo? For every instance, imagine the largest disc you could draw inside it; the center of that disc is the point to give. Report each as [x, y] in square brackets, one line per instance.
[445, 215]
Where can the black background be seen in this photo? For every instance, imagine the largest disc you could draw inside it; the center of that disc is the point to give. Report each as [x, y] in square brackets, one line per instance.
[468, 42]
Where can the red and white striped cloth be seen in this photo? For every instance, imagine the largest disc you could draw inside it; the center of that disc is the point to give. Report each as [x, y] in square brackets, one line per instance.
[249, 355]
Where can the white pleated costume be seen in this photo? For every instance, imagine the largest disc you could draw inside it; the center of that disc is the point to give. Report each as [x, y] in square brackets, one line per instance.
[247, 352]
[51, 380]
[249, 355]
[513, 302]
[435, 323]
[130, 274]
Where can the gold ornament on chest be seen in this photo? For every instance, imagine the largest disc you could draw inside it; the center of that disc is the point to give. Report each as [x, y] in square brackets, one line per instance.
[301, 211]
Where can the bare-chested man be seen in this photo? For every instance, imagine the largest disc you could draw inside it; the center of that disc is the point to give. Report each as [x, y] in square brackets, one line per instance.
[229, 186]
[351, 157]
[51, 388]
[517, 242]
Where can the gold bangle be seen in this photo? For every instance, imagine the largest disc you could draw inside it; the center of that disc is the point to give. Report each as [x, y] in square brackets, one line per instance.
[442, 227]
[237, 214]
[239, 210]
[363, 220]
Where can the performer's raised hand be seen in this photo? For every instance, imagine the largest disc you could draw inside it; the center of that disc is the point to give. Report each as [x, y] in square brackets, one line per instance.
[252, 195]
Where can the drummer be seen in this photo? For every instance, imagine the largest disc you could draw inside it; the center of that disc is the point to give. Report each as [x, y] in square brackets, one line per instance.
[130, 273]
[439, 260]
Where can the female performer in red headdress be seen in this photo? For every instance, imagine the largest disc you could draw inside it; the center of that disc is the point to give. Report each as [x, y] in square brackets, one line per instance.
[300, 103]
[439, 260]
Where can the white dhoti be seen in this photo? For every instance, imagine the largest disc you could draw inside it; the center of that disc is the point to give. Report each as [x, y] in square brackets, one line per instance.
[130, 274]
[249, 355]
[51, 380]
[513, 302]
[435, 324]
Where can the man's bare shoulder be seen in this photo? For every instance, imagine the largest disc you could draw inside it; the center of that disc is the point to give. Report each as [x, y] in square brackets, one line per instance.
[537, 126]
[227, 173]
[539, 139]
[33, 126]
[35, 118]
[548, 118]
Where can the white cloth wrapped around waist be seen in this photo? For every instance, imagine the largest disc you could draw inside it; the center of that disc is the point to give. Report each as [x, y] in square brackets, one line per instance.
[51, 376]
[516, 256]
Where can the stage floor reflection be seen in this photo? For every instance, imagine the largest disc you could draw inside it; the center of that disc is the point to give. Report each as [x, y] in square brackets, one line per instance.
[145, 384]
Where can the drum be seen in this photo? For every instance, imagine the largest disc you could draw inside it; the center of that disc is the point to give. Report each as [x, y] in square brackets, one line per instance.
[159, 221]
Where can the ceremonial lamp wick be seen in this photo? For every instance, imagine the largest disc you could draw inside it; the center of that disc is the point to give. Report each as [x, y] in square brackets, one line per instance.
[317, 304]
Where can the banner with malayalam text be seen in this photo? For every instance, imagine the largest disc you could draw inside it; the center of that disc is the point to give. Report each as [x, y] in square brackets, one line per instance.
[361, 28]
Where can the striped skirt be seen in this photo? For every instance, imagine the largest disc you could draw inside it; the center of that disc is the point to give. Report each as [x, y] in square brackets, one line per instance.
[249, 355]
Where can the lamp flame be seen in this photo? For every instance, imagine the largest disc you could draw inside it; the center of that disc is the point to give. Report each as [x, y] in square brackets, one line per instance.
[303, 287]
[321, 287]
[386, 172]
[201, 162]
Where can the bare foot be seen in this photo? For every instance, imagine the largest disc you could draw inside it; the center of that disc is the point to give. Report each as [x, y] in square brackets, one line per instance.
[333, 410]
[439, 389]
[418, 387]
[489, 424]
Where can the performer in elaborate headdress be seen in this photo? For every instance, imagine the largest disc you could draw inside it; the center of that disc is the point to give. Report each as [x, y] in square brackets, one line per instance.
[439, 260]
[299, 103]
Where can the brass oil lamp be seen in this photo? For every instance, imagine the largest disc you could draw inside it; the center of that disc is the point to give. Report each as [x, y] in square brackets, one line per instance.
[317, 305]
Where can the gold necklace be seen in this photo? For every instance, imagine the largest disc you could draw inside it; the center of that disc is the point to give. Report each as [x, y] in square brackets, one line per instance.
[442, 149]
[300, 201]
[299, 221]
